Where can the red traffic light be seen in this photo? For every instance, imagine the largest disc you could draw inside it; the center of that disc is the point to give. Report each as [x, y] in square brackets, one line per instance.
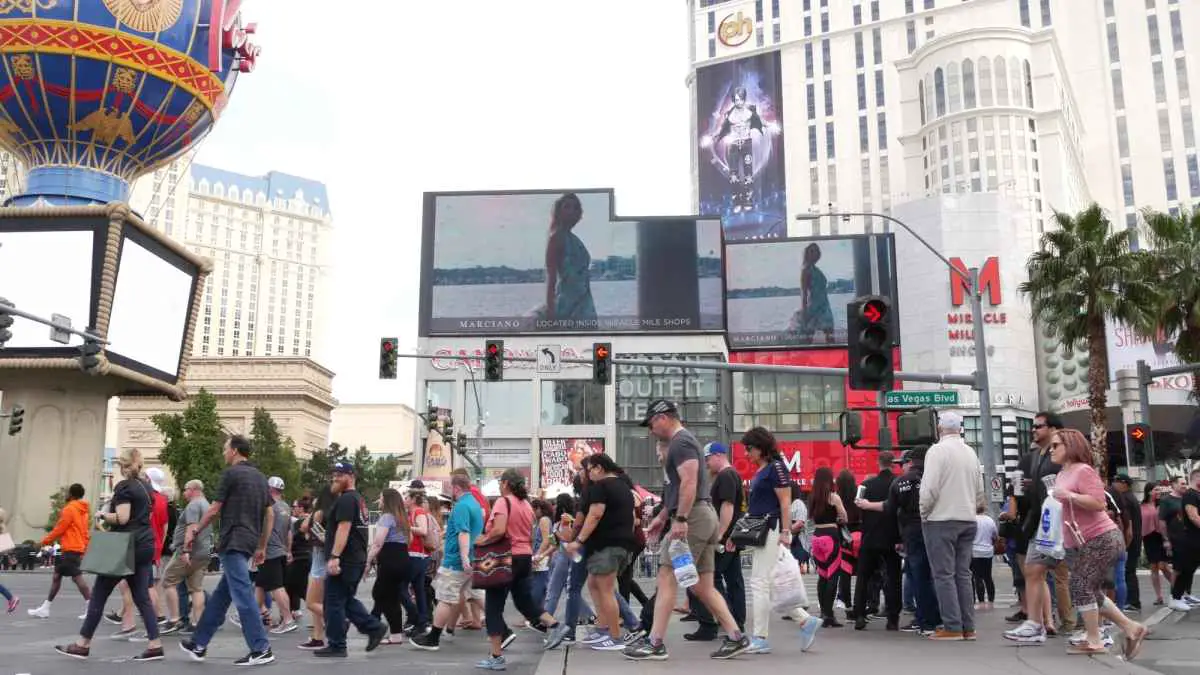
[1138, 433]
[492, 349]
[874, 311]
[388, 346]
[601, 352]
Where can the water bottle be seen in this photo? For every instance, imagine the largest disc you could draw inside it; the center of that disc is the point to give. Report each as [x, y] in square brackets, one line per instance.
[682, 563]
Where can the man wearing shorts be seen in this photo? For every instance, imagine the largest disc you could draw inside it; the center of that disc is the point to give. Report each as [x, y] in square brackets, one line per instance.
[73, 531]
[453, 580]
[270, 576]
[187, 565]
[689, 509]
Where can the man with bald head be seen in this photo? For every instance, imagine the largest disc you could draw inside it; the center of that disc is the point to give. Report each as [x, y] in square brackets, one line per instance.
[951, 494]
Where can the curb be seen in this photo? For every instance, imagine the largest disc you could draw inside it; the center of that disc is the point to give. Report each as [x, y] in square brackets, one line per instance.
[554, 661]
[1162, 616]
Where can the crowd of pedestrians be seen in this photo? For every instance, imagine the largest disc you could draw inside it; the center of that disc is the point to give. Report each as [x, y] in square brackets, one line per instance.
[914, 538]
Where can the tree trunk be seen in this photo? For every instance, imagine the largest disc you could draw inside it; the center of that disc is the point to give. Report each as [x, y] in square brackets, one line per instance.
[1098, 393]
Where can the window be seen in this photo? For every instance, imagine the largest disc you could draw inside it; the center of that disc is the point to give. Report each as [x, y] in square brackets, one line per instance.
[1122, 137]
[824, 22]
[1118, 87]
[1114, 51]
[1028, 85]
[985, 82]
[829, 98]
[807, 26]
[939, 92]
[808, 60]
[1001, 81]
[1025, 13]
[505, 403]
[811, 90]
[812, 146]
[1024, 433]
[877, 43]
[1160, 82]
[883, 132]
[1181, 78]
[859, 57]
[857, 15]
[911, 30]
[908, 6]
[879, 91]
[874, 10]
[929, 4]
[1169, 177]
[1108, 9]
[438, 392]
[1155, 42]
[1193, 176]
[1127, 184]
[921, 100]
[864, 137]
[826, 59]
[1189, 132]
[862, 91]
[786, 402]
[831, 186]
[1046, 19]
[829, 146]
[1176, 31]
[973, 436]
[572, 402]
[1164, 130]
[953, 88]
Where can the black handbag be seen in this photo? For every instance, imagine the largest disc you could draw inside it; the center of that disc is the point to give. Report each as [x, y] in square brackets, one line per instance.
[751, 531]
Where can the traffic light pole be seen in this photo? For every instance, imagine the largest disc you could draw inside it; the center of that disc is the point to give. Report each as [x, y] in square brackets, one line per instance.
[1146, 376]
[10, 309]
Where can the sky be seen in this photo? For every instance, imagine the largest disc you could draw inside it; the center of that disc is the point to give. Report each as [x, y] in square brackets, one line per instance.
[388, 100]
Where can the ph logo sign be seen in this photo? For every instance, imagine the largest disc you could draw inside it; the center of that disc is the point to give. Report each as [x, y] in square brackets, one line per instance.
[735, 30]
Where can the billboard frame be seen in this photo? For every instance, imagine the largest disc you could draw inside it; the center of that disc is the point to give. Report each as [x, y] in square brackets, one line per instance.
[892, 274]
[429, 226]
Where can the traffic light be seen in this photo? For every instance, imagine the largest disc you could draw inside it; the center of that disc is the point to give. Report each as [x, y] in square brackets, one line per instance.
[6, 322]
[431, 417]
[461, 441]
[869, 333]
[16, 420]
[850, 428]
[493, 360]
[387, 358]
[917, 428]
[89, 356]
[601, 363]
[1138, 434]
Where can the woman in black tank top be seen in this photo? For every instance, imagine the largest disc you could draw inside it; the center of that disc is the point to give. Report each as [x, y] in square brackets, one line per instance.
[827, 513]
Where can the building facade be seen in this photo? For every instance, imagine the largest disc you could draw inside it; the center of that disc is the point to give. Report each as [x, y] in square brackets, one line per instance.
[269, 238]
[386, 429]
[296, 391]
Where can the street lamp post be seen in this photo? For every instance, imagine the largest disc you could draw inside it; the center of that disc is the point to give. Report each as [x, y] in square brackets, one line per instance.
[982, 384]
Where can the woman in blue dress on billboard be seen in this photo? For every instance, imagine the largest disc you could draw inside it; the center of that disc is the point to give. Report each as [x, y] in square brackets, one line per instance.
[568, 267]
[815, 313]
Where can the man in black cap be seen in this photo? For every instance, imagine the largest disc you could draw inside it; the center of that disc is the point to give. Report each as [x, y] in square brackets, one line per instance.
[1122, 486]
[688, 507]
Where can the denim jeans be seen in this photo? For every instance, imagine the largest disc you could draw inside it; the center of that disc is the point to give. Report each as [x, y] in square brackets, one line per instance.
[560, 567]
[341, 603]
[1122, 590]
[928, 613]
[234, 588]
[576, 577]
[537, 589]
[416, 573]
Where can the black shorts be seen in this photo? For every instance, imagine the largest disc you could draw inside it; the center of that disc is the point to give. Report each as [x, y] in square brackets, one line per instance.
[270, 574]
[1155, 551]
[68, 565]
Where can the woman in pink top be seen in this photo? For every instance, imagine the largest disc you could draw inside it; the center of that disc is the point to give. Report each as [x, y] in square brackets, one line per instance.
[1094, 543]
[512, 517]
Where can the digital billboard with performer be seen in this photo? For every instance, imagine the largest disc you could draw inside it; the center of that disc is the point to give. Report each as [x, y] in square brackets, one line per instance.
[551, 262]
[794, 292]
[739, 119]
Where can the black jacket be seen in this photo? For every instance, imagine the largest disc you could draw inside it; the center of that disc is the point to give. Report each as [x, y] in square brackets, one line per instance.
[879, 528]
[904, 500]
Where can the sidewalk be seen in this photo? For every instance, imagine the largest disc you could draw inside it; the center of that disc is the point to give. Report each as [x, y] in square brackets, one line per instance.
[1175, 643]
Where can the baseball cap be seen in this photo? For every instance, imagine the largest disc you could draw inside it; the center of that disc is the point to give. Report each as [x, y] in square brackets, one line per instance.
[275, 483]
[715, 449]
[158, 479]
[658, 407]
[343, 467]
[1123, 478]
[416, 484]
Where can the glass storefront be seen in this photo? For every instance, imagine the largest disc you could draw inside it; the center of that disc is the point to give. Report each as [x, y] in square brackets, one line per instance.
[696, 392]
[785, 402]
[572, 402]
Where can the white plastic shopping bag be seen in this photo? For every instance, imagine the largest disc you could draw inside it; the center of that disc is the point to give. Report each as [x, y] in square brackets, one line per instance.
[1049, 536]
[787, 586]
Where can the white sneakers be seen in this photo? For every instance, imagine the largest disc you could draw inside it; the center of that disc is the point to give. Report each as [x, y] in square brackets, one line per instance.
[1184, 604]
[41, 611]
[1028, 633]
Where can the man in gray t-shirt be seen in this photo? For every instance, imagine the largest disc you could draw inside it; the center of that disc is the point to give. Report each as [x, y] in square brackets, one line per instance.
[689, 510]
[270, 575]
[187, 565]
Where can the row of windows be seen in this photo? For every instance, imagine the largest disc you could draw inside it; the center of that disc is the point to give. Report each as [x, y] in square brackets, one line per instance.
[955, 88]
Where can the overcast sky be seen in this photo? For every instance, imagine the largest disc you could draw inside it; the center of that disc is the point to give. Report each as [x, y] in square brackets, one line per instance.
[386, 100]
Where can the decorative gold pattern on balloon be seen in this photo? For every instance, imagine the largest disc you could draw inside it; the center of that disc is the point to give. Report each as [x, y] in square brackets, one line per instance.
[22, 65]
[124, 80]
[146, 16]
[106, 125]
[193, 112]
[10, 6]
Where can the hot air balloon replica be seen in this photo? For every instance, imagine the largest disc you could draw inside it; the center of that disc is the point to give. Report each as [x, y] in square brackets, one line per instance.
[94, 94]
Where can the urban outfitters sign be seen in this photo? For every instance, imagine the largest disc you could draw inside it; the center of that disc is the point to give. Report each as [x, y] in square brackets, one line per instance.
[637, 386]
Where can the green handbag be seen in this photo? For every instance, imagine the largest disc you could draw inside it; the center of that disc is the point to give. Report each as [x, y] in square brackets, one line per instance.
[109, 554]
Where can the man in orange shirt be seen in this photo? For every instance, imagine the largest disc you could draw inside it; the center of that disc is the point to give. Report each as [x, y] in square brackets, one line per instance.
[72, 531]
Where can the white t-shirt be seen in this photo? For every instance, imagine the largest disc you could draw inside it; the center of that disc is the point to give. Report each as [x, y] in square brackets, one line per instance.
[799, 514]
[985, 534]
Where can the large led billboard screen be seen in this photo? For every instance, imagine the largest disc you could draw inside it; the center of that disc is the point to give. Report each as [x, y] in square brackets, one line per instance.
[739, 120]
[150, 305]
[560, 262]
[793, 292]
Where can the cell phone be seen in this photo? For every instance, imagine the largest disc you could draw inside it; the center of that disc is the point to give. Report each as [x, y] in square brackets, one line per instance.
[862, 490]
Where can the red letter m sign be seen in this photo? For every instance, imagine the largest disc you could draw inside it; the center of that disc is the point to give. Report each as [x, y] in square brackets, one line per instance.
[989, 281]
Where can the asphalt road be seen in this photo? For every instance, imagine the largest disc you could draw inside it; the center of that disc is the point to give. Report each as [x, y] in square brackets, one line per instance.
[27, 644]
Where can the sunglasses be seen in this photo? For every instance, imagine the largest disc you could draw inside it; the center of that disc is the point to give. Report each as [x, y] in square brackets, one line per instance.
[1040, 426]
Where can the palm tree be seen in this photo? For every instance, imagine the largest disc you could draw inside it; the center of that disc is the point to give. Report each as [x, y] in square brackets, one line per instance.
[1175, 240]
[1084, 274]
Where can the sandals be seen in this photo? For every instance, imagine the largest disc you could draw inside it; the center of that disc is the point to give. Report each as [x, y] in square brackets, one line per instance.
[1086, 649]
[1133, 643]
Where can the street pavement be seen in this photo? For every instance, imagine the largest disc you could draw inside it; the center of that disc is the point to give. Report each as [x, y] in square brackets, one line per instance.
[27, 644]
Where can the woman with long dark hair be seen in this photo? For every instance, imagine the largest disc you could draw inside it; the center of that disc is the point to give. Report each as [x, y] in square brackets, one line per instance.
[770, 497]
[828, 515]
[543, 545]
[421, 542]
[313, 528]
[390, 549]
[568, 265]
[847, 489]
[1154, 542]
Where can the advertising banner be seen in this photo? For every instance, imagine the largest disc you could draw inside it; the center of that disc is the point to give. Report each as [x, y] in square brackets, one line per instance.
[437, 457]
[561, 457]
[1126, 347]
[739, 118]
[501, 264]
[794, 292]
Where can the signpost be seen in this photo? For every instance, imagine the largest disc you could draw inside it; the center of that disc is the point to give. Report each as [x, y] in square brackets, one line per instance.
[549, 358]
[922, 399]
